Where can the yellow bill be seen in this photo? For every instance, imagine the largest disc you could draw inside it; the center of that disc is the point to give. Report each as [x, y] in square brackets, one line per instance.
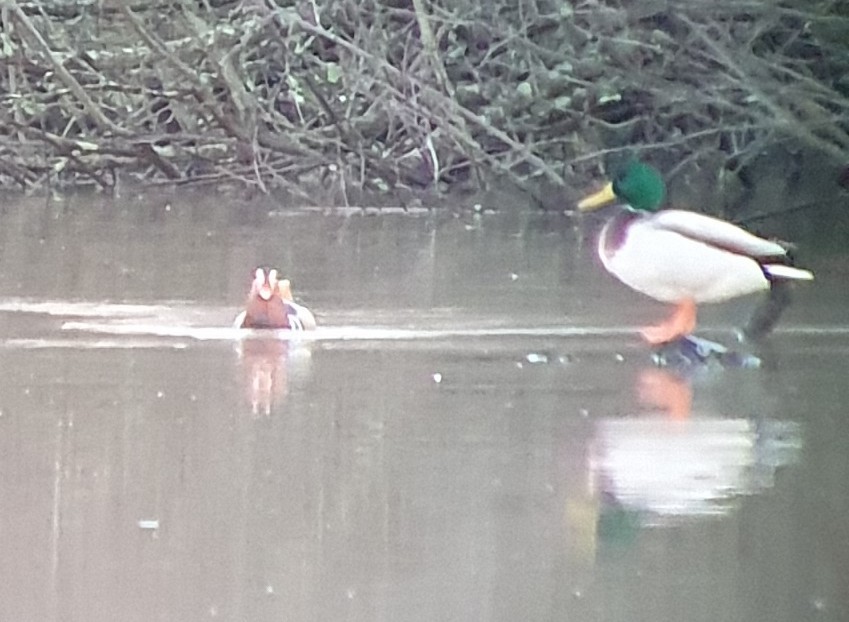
[599, 199]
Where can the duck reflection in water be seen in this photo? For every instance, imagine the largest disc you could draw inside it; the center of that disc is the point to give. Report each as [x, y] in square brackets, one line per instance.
[270, 366]
[666, 392]
[671, 460]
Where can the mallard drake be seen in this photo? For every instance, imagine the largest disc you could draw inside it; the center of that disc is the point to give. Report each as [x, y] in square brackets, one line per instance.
[680, 257]
[270, 305]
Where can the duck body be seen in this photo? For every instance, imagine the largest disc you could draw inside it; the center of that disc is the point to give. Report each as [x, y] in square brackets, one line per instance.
[674, 254]
[681, 257]
[269, 305]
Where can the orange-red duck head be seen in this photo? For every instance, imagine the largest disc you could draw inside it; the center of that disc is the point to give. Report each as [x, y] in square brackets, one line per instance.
[265, 284]
[270, 305]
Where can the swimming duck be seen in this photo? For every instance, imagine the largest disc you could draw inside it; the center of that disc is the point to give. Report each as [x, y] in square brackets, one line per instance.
[270, 305]
[678, 256]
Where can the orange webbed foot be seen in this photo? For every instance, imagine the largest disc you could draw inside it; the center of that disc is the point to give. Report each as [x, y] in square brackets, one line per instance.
[681, 323]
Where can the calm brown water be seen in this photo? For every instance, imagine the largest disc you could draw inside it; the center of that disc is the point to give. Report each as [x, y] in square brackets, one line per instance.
[474, 434]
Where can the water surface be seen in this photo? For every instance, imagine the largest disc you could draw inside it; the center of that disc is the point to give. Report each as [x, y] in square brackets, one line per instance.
[474, 433]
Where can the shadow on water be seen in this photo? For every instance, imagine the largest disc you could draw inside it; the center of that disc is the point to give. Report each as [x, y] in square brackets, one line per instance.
[474, 432]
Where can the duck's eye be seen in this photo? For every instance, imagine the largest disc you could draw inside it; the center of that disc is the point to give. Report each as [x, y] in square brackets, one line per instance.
[616, 187]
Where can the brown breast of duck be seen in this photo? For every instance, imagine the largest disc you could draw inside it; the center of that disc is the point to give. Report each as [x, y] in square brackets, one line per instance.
[265, 307]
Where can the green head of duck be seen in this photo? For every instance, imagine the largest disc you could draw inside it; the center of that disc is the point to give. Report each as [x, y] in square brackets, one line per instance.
[637, 184]
[640, 186]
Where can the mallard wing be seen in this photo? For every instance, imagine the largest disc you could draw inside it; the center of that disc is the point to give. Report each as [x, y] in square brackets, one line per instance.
[716, 232]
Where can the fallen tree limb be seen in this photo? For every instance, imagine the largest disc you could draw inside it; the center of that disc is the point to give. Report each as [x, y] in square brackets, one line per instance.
[349, 98]
[90, 106]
